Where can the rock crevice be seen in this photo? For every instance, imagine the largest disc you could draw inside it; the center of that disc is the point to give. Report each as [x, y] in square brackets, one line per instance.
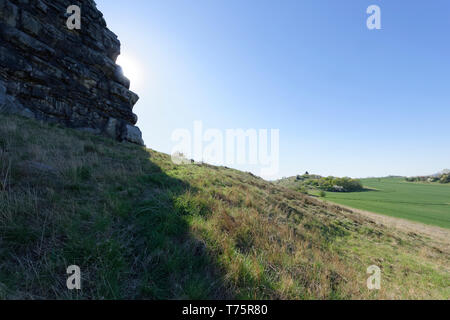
[51, 73]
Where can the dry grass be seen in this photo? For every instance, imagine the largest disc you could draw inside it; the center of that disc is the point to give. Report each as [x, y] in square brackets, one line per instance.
[437, 235]
[141, 227]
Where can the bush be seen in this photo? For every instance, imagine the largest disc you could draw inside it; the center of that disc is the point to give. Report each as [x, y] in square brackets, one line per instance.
[322, 194]
[445, 178]
[340, 184]
[302, 183]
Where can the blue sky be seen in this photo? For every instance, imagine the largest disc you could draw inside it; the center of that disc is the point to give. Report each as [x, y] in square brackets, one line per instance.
[348, 101]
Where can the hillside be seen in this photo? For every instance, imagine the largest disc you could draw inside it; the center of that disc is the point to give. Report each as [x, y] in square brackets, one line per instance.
[141, 227]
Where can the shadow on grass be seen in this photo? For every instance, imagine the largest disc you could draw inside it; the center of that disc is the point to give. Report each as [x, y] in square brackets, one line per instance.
[170, 263]
[107, 208]
[362, 190]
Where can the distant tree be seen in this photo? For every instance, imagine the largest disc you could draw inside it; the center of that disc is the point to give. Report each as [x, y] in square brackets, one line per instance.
[346, 184]
[306, 173]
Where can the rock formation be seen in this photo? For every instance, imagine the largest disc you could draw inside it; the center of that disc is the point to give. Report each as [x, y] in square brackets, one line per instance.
[51, 73]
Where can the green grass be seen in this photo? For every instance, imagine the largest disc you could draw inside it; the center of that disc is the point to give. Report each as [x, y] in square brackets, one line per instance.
[427, 203]
[141, 227]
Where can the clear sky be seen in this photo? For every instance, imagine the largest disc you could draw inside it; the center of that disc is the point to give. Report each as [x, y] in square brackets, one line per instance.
[348, 101]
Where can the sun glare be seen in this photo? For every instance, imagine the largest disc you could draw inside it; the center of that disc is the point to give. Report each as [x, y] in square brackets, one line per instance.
[130, 69]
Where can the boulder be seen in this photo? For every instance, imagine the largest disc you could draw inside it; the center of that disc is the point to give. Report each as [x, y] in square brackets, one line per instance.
[65, 76]
[2, 94]
[120, 77]
[134, 135]
[111, 128]
[10, 105]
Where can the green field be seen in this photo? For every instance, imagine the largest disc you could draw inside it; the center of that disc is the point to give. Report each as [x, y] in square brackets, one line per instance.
[428, 203]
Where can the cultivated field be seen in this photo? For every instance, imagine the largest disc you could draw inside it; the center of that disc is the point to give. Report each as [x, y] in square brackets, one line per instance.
[427, 203]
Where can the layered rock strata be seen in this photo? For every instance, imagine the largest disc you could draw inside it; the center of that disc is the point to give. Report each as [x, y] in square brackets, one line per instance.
[55, 74]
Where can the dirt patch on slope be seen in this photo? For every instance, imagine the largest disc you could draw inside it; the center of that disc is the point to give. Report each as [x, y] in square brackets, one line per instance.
[438, 234]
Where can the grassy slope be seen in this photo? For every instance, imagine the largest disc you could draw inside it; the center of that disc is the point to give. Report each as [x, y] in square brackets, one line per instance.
[142, 227]
[423, 202]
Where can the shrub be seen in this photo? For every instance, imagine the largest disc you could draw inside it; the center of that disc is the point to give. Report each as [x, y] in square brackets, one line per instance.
[445, 178]
[340, 184]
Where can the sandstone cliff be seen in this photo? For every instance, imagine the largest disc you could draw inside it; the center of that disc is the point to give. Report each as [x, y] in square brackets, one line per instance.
[51, 73]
